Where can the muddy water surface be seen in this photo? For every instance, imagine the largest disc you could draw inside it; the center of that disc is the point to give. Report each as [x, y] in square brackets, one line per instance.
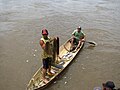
[21, 22]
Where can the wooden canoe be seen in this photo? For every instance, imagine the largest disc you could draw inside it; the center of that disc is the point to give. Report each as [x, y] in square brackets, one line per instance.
[66, 57]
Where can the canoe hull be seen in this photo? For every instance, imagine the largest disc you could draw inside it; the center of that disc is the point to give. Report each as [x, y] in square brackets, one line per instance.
[65, 59]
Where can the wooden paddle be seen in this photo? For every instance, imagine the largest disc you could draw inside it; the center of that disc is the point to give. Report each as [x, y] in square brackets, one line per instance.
[91, 42]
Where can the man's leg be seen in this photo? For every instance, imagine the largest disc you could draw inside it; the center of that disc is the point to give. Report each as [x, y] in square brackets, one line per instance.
[44, 70]
[72, 44]
[78, 46]
[79, 43]
[49, 66]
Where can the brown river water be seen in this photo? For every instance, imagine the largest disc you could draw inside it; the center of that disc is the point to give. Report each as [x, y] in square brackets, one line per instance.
[21, 22]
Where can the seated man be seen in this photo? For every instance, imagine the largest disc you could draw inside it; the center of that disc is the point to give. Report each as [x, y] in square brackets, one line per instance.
[77, 37]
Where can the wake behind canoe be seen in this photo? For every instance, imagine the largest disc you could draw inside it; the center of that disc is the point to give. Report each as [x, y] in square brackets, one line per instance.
[66, 58]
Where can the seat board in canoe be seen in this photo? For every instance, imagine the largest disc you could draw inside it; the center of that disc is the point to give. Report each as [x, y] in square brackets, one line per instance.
[66, 57]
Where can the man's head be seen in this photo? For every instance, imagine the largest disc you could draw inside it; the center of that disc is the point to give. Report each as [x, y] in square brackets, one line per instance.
[45, 33]
[109, 85]
[79, 29]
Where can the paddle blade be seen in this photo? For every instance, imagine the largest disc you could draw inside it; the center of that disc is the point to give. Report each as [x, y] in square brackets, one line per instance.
[91, 42]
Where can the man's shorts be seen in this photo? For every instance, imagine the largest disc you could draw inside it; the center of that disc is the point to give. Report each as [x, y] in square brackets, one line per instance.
[75, 41]
[47, 62]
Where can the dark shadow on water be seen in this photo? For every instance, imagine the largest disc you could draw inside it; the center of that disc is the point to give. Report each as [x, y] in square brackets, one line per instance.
[90, 47]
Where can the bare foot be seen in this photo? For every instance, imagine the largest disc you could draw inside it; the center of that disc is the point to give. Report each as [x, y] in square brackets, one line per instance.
[45, 81]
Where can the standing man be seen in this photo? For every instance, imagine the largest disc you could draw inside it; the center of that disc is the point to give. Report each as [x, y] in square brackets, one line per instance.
[77, 37]
[46, 54]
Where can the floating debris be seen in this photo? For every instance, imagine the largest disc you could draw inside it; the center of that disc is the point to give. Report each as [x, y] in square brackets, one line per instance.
[35, 50]
[65, 77]
[65, 82]
[34, 55]
[83, 68]
[27, 61]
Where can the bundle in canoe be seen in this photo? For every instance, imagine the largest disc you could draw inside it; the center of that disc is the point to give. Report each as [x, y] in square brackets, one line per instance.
[60, 64]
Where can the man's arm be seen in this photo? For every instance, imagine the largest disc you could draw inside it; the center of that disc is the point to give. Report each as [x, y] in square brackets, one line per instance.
[73, 34]
[82, 38]
[42, 44]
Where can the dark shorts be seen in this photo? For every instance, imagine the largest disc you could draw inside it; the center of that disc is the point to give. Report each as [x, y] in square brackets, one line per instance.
[75, 41]
[47, 62]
